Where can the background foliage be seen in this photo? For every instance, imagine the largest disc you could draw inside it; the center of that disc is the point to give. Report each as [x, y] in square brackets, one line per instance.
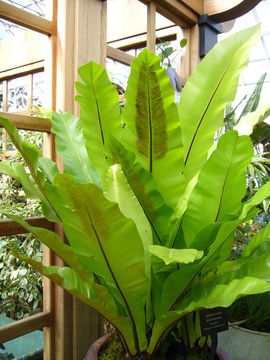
[21, 285]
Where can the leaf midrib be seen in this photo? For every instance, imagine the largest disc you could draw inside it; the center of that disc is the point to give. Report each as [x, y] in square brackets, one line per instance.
[97, 106]
[115, 280]
[149, 115]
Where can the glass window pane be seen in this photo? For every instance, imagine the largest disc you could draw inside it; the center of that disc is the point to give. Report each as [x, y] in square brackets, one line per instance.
[18, 90]
[267, 43]
[21, 285]
[263, 12]
[38, 89]
[125, 21]
[118, 73]
[25, 347]
[257, 53]
[19, 47]
[9, 30]
[254, 70]
[40, 8]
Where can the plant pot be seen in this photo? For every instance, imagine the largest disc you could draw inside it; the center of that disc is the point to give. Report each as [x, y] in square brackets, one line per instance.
[242, 344]
[93, 351]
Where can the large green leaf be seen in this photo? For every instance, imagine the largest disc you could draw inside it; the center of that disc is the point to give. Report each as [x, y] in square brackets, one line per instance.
[210, 87]
[99, 113]
[70, 147]
[221, 295]
[221, 185]
[207, 296]
[143, 187]
[117, 189]
[91, 293]
[152, 128]
[48, 168]
[101, 235]
[211, 240]
[52, 240]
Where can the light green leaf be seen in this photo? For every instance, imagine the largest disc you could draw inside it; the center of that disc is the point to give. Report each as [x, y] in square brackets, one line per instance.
[210, 87]
[95, 295]
[17, 172]
[143, 187]
[210, 240]
[247, 122]
[52, 240]
[221, 185]
[254, 99]
[117, 189]
[261, 194]
[175, 256]
[99, 113]
[183, 43]
[259, 241]
[48, 168]
[30, 154]
[220, 295]
[152, 128]
[101, 235]
[70, 146]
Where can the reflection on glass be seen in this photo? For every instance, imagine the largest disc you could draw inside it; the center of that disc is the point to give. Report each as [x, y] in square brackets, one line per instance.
[263, 12]
[18, 90]
[9, 30]
[29, 346]
[36, 7]
[38, 89]
[118, 73]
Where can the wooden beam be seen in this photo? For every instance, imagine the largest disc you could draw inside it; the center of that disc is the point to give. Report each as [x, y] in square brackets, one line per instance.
[21, 327]
[22, 70]
[26, 19]
[195, 5]
[142, 44]
[26, 122]
[151, 27]
[139, 41]
[119, 55]
[103, 35]
[177, 12]
[190, 57]
[222, 11]
[49, 152]
[9, 227]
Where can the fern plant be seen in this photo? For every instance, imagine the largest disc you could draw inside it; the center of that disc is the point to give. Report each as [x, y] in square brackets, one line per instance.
[149, 217]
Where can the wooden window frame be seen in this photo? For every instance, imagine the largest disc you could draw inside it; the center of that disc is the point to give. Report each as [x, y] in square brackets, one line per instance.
[46, 318]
